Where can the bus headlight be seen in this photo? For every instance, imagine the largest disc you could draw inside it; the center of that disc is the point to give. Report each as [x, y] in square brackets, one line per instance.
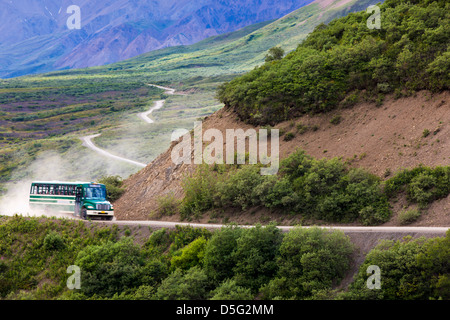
[90, 207]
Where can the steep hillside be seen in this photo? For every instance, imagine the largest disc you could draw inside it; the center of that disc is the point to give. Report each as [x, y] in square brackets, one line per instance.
[377, 100]
[57, 108]
[345, 60]
[382, 139]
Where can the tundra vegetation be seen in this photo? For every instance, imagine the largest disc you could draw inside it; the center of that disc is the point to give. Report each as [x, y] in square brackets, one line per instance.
[196, 264]
[344, 62]
[321, 190]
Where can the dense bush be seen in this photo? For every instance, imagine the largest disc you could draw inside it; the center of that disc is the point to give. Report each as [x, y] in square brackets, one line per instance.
[198, 191]
[110, 268]
[54, 241]
[310, 260]
[179, 285]
[191, 263]
[256, 250]
[113, 186]
[190, 256]
[410, 269]
[422, 185]
[229, 290]
[409, 53]
[319, 189]
[408, 216]
[238, 189]
[219, 258]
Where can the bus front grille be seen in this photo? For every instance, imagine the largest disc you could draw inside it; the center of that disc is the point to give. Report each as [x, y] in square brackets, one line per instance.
[103, 207]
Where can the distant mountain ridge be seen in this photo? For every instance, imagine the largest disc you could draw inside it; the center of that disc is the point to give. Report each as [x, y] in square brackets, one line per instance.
[34, 37]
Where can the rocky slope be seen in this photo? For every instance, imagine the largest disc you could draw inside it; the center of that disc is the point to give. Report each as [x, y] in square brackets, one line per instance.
[381, 139]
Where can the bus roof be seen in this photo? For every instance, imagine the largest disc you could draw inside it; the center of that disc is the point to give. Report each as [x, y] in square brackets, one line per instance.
[64, 182]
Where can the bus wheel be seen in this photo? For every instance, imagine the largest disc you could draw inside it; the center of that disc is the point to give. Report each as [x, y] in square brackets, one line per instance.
[83, 214]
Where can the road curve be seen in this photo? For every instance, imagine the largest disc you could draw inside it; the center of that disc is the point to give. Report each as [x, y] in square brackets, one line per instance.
[144, 115]
[87, 142]
[166, 89]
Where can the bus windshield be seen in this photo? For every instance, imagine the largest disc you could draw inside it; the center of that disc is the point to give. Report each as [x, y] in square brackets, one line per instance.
[96, 193]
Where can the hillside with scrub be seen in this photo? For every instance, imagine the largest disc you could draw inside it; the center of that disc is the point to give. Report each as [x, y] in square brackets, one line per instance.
[363, 116]
[345, 62]
[43, 116]
[232, 263]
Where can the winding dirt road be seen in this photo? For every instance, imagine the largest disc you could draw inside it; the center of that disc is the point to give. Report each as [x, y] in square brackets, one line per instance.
[144, 115]
[88, 143]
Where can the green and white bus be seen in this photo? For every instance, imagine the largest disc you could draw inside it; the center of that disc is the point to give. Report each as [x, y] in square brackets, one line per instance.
[82, 199]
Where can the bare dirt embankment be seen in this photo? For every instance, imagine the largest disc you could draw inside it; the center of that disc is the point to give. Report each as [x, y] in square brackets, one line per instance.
[381, 139]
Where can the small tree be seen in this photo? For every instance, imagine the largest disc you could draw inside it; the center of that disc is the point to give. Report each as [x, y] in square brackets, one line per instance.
[275, 53]
[113, 186]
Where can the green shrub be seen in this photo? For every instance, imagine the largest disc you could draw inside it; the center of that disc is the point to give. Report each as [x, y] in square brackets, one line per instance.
[289, 136]
[256, 250]
[309, 260]
[408, 216]
[159, 239]
[54, 241]
[219, 259]
[190, 256]
[190, 285]
[199, 189]
[229, 290]
[184, 235]
[421, 188]
[168, 205]
[237, 188]
[275, 53]
[336, 119]
[110, 268]
[410, 270]
[421, 184]
[113, 186]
